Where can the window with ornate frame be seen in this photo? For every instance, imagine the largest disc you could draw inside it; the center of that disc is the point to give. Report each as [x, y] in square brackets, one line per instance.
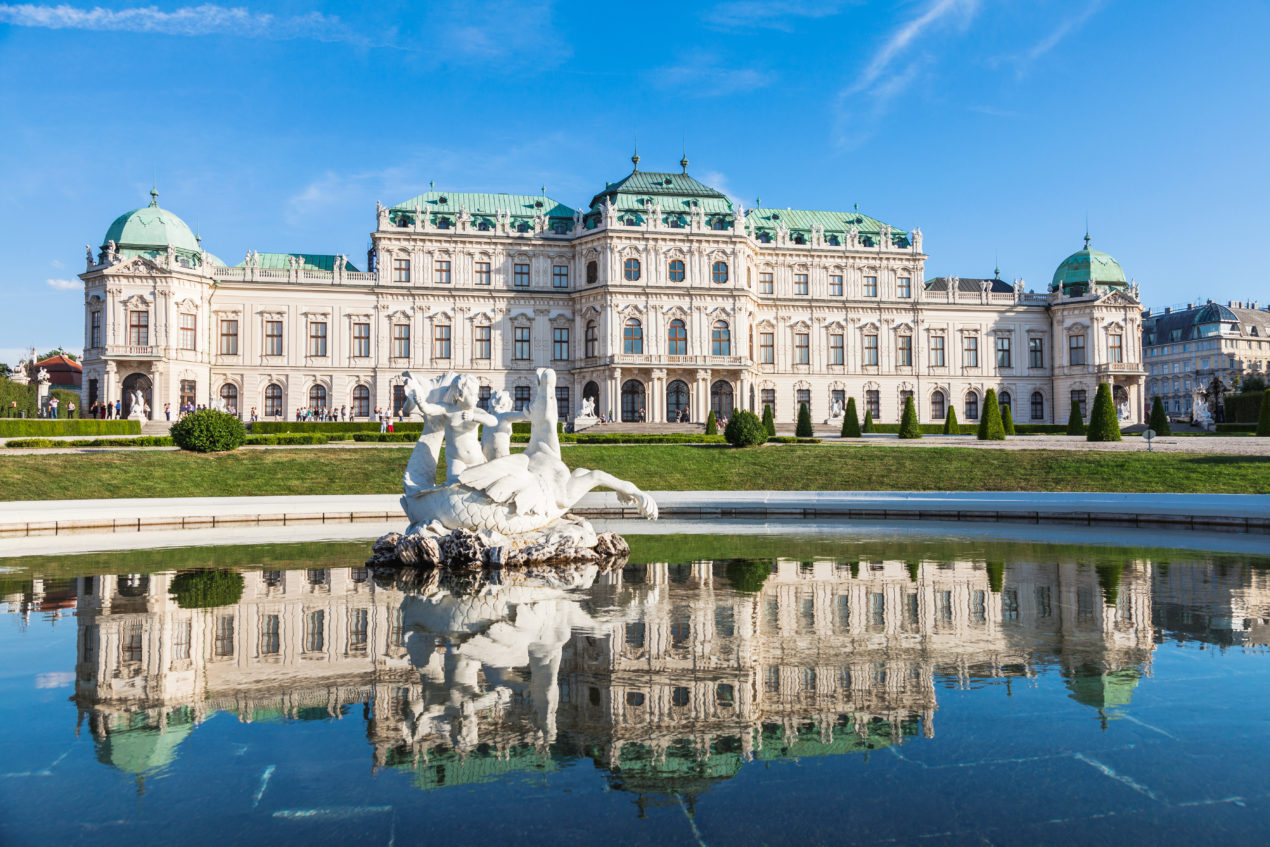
[675, 270]
[720, 339]
[441, 341]
[482, 273]
[719, 272]
[630, 270]
[317, 338]
[228, 337]
[400, 270]
[520, 275]
[633, 337]
[521, 348]
[677, 338]
[484, 342]
[441, 272]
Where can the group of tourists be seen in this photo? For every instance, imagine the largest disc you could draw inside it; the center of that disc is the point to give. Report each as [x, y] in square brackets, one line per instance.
[106, 411]
[321, 414]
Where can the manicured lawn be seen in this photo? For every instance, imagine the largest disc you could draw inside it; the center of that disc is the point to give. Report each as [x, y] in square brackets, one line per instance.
[790, 468]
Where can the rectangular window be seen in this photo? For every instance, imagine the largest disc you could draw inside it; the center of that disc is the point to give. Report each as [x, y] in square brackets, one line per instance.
[871, 349]
[315, 632]
[401, 341]
[400, 270]
[358, 630]
[520, 400]
[1003, 352]
[979, 606]
[188, 391]
[800, 284]
[560, 343]
[766, 348]
[520, 344]
[270, 635]
[181, 635]
[229, 338]
[560, 276]
[317, 338]
[273, 338]
[1010, 604]
[904, 351]
[1044, 606]
[139, 329]
[441, 273]
[764, 283]
[835, 286]
[835, 349]
[970, 351]
[441, 341]
[1115, 348]
[838, 398]
[1036, 352]
[94, 333]
[187, 331]
[904, 286]
[870, 286]
[1076, 350]
[802, 348]
[484, 336]
[767, 398]
[1078, 400]
[520, 276]
[563, 410]
[873, 402]
[482, 273]
[937, 351]
[361, 340]
[224, 635]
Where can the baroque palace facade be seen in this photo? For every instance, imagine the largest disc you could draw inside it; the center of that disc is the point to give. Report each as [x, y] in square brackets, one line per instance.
[661, 297]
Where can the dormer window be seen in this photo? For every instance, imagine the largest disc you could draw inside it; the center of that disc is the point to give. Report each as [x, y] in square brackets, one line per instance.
[632, 221]
[799, 239]
[718, 223]
[675, 223]
[442, 200]
[537, 204]
[764, 238]
[483, 226]
[403, 221]
[522, 227]
[443, 223]
[833, 241]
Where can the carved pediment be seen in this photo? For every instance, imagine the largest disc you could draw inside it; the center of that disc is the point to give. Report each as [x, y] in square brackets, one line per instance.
[1117, 298]
[136, 266]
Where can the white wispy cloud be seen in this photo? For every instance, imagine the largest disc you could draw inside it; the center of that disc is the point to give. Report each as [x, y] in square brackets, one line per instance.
[63, 284]
[58, 263]
[706, 76]
[54, 679]
[718, 180]
[772, 14]
[501, 31]
[204, 19]
[1065, 28]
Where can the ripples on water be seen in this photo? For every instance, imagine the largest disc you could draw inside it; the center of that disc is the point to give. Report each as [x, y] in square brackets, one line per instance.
[863, 691]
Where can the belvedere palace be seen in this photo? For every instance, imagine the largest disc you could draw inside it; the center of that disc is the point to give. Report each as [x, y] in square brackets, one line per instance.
[660, 298]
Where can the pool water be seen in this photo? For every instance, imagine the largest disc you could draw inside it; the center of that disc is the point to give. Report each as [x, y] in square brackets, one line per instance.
[714, 690]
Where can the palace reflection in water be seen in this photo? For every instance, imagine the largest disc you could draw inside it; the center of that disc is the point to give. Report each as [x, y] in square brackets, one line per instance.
[667, 677]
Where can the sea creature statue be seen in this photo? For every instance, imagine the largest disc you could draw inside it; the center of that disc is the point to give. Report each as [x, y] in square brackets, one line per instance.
[507, 509]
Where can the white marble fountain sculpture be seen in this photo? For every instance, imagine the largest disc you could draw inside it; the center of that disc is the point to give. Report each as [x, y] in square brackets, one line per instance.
[496, 507]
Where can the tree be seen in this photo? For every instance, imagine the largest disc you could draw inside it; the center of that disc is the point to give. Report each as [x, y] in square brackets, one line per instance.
[990, 427]
[769, 422]
[57, 351]
[207, 589]
[712, 424]
[1263, 422]
[1159, 420]
[1103, 424]
[803, 429]
[1075, 423]
[868, 421]
[850, 420]
[1007, 420]
[908, 421]
[951, 426]
[744, 429]
[747, 575]
[1252, 382]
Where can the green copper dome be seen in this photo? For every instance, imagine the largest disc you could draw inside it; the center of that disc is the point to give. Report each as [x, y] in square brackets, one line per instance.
[151, 229]
[1086, 268]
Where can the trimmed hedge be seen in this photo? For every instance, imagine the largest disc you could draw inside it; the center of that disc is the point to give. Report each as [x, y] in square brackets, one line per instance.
[143, 441]
[990, 426]
[803, 428]
[1007, 420]
[1244, 407]
[390, 436]
[1075, 423]
[769, 421]
[712, 424]
[272, 427]
[1103, 423]
[43, 428]
[1234, 428]
[792, 439]
[908, 421]
[1263, 424]
[644, 438]
[1159, 420]
[868, 425]
[207, 589]
[289, 438]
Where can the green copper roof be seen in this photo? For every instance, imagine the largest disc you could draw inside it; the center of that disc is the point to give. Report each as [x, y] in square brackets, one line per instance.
[448, 203]
[138, 746]
[1090, 686]
[834, 223]
[675, 192]
[1078, 271]
[151, 228]
[312, 261]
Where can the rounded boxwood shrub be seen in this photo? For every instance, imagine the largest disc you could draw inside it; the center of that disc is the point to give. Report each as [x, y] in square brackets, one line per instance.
[1159, 420]
[209, 431]
[1007, 420]
[990, 427]
[747, 575]
[207, 589]
[1103, 424]
[803, 429]
[745, 430]
[951, 427]
[769, 421]
[712, 424]
[908, 422]
[850, 420]
[1075, 423]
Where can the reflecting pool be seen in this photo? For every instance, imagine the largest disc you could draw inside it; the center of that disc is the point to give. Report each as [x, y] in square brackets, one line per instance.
[716, 690]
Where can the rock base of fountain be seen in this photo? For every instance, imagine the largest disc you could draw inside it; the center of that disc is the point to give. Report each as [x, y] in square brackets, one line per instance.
[463, 548]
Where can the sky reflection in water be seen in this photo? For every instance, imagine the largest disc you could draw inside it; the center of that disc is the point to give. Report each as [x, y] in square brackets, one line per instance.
[867, 691]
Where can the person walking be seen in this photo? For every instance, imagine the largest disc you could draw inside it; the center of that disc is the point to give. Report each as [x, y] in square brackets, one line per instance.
[118, 409]
[167, 411]
[70, 409]
[383, 420]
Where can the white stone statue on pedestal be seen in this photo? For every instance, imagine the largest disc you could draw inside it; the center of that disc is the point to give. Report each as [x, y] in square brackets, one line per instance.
[586, 416]
[138, 409]
[836, 412]
[42, 381]
[1200, 412]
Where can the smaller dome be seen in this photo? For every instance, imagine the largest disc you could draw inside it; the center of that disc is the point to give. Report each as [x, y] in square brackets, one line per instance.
[1086, 268]
[151, 228]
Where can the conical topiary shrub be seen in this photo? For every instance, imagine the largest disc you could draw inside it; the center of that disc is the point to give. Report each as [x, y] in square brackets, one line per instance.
[1263, 422]
[868, 421]
[1075, 423]
[951, 427]
[712, 424]
[1007, 420]
[1103, 424]
[990, 428]
[850, 420]
[769, 423]
[908, 421]
[803, 429]
[1159, 420]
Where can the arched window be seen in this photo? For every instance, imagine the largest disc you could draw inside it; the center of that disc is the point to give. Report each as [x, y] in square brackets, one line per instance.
[718, 223]
[592, 273]
[633, 337]
[720, 339]
[721, 399]
[361, 402]
[764, 238]
[632, 221]
[972, 406]
[273, 400]
[1038, 406]
[317, 397]
[800, 239]
[676, 401]
[1006, 402]
[938, 409]
[632, 400]
[591, 340]
[229, 396]
[676, 270]
[677, 339]
[591, 391]
[719, 272]
[630, 269]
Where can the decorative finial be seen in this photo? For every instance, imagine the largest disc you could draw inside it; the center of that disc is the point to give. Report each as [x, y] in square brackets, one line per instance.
[996, 271]
[154, 197]
[544, 191]
[431, 184]
[635, 155]
[1086, 231]
[758, 202]
[683, 163]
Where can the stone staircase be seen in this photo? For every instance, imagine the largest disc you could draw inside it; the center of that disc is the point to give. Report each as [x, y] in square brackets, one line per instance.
[156, 428]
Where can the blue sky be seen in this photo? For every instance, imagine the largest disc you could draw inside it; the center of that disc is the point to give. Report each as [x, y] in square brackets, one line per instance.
[995, 125]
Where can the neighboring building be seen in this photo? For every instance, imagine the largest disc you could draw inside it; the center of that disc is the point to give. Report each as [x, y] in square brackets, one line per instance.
[660, 297]
[63, 372]
[1186, 349]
